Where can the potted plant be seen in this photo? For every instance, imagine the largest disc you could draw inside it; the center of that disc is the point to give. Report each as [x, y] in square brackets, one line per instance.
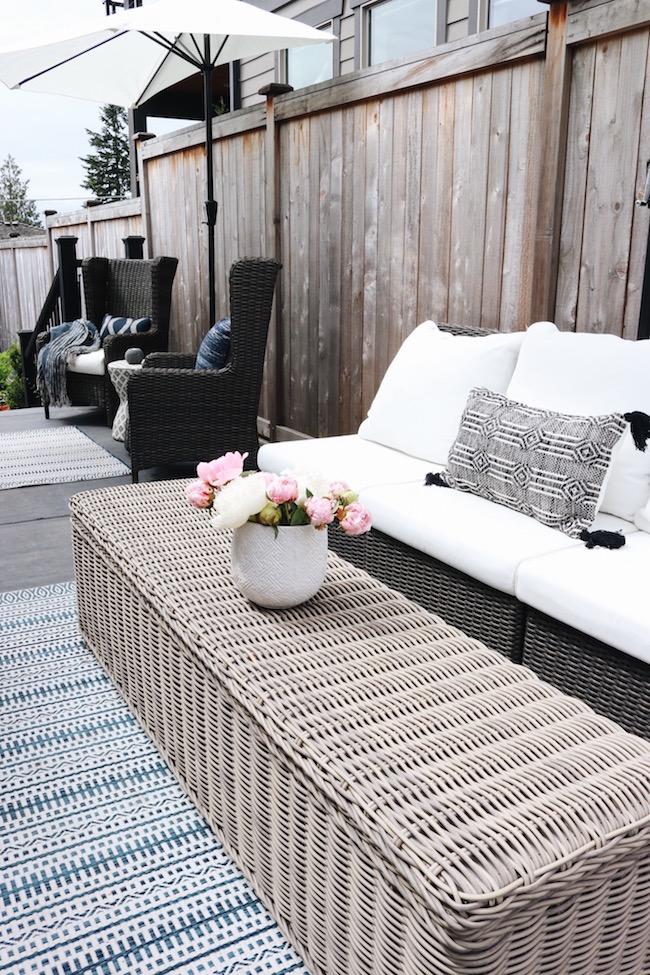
[279, 522]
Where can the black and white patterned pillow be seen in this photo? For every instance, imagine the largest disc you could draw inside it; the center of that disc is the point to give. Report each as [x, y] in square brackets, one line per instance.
[120, 325]
[550, 466]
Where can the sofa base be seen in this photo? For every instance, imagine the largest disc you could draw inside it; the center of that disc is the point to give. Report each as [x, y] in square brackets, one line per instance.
[493, 617]
[612, 682]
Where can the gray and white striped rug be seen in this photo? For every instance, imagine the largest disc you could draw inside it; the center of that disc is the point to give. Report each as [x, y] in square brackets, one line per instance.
[107, 867]
[53, 456]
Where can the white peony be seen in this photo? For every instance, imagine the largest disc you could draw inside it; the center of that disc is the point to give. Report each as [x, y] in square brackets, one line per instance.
[317, 484]
[238, 500]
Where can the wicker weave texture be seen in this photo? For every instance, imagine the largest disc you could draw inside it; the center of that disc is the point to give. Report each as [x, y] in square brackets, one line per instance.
[184, 415]
[404, 799]
[121, 287]
[494, 617]
[612, 682]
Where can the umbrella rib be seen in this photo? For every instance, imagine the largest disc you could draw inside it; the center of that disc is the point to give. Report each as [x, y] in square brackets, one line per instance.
[73, 57]
[172, 47]
[223, 44]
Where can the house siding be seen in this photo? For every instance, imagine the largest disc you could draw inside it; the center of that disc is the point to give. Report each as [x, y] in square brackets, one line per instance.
[454, 24]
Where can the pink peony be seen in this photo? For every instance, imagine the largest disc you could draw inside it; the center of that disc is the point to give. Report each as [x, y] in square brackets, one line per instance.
[338, 488]
[199, 494]
[356, 519]
[320, 511]
[282, 489]
[222, 470]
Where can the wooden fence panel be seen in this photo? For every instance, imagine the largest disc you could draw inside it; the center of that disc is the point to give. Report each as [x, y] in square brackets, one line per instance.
[601, 264]
[176, 191]
[25, 277]
[420, 208]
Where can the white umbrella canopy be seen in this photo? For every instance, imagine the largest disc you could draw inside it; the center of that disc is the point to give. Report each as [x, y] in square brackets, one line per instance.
[127, 58]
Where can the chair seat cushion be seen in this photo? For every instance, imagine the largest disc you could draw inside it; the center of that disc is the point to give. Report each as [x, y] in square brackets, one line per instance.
[89, 364]
[361, 463]
[486, 541]
[600, 592]
[120, 325]
[214, 349]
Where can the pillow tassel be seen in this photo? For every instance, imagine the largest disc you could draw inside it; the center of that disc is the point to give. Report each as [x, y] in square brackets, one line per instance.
[639, 428]
[602, 539]
[436, 479]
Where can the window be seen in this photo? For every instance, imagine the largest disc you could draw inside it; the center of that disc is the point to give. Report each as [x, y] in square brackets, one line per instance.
[310, 64]
[395, 28]
[505, 11]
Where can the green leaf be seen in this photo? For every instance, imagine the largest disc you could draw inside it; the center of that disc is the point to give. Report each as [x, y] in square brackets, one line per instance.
[299, 517]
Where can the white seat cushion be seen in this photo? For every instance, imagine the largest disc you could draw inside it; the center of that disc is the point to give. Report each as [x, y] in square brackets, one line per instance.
[89, 364]
[421, 398]
[359, 462]
[589, 374]
[600, 592]
[485, 540]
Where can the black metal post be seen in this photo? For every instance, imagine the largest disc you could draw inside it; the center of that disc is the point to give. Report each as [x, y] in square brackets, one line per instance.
[68, 280]
[210, 203]
[29, 369]
[644, 313]
[643, 331]
[133, 247]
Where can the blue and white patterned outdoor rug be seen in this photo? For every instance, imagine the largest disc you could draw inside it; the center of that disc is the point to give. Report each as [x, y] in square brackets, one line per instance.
[106, 865]
[54, 456]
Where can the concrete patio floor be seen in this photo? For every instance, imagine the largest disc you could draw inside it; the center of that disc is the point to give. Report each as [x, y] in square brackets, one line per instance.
[35, 542]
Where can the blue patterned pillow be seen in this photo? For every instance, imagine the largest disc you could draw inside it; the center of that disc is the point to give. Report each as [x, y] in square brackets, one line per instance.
[214, 349]
[112, 325]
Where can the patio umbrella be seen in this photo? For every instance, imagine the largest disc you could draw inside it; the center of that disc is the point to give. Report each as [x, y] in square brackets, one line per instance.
[127, 58]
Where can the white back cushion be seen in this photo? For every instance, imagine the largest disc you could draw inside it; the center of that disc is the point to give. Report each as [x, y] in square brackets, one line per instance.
[421, 398]
[588, 374]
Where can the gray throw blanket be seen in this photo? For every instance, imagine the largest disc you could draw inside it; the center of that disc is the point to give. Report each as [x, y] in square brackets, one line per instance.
[66, 340]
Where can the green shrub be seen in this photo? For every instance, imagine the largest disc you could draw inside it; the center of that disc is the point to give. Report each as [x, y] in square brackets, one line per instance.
[11, 378]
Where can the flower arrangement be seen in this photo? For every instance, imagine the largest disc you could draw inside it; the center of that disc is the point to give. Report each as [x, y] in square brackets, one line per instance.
[236, 496]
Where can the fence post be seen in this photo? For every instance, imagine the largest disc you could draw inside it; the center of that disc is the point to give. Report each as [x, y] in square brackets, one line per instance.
[555, 116]
[68, 280]
[133, 247]
[273, 249]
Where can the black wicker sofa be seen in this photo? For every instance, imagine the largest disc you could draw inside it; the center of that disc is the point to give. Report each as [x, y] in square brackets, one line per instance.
[574, 612]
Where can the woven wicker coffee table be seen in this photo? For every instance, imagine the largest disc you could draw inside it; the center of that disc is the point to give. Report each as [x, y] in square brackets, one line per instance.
[403, 799]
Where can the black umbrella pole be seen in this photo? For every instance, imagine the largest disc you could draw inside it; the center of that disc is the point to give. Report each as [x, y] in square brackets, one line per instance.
[211, 213]
[210, 203]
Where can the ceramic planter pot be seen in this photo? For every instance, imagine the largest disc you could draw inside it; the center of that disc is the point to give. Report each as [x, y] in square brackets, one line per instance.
[278, 571]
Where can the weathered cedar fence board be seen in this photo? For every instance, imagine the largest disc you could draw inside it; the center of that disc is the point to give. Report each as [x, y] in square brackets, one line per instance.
[492, 183]
[24, 281]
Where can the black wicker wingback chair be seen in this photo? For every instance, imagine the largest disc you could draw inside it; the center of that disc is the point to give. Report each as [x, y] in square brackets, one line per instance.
[179, 414]
[128, 288]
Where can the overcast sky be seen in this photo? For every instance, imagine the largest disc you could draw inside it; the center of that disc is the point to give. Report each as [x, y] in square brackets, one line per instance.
[46, 134]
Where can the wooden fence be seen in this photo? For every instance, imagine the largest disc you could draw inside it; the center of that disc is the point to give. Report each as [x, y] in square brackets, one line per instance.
[25, 277]
[28, 265]
[491, 183]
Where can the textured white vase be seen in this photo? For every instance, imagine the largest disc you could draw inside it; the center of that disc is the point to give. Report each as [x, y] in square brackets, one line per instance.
[278, 570]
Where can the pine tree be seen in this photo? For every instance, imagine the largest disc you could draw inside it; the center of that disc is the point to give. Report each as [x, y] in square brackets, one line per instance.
[108, 170]
[14, 205]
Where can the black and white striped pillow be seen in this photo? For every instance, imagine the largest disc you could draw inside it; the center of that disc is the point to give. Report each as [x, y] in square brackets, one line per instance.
[550, 466]
[116, 325]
